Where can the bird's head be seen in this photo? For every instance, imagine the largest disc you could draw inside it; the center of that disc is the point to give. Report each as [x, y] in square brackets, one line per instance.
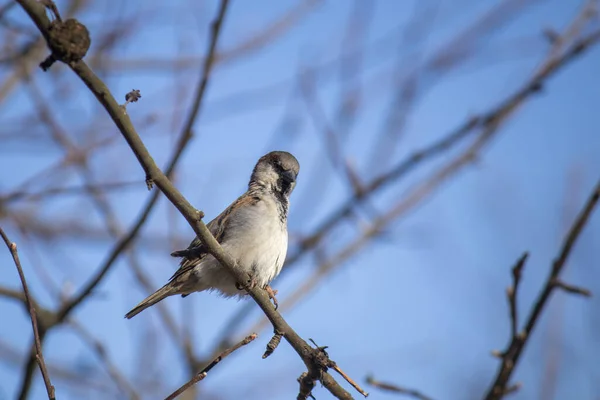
[277, 171]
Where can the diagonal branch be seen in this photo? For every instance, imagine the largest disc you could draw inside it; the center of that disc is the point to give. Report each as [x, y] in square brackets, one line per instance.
[38, 14]
[510, 357]
[311, 357]
[388, 387]
[202, 374]
[36, 334]
[182, 142]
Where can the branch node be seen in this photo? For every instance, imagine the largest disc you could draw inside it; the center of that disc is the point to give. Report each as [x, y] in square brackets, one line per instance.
[149, 182]
[499, 386]
[571, 288]
[512, 388]
[497, 354]
[323, 362]
[536, 86]
[69, 42]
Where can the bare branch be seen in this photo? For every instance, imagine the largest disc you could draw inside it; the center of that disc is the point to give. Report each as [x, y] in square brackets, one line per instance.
[38, 15]
[36, 335]
[182, 142]
[511, 356]
[511, 293]
[311, 357]
[355, 385]
[202, 374]
[572, 288]
[415, 394]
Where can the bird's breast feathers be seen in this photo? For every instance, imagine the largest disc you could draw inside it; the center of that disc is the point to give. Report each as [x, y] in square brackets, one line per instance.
[258, 239]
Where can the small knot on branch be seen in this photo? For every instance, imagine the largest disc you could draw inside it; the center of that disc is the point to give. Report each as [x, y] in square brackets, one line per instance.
[320, 357]
[149, 182]
[69, 42]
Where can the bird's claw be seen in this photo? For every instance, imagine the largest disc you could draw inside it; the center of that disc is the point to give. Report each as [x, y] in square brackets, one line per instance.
[272, 292]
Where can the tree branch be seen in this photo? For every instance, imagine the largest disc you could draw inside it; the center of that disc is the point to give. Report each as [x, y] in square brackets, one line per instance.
[36, 335]
[310, 356]
[182, 142]
[202, 374]
[511, 355]
[415, 394]
[37, 12]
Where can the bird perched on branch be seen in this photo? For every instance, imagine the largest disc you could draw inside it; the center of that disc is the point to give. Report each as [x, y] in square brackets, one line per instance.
[252, 230]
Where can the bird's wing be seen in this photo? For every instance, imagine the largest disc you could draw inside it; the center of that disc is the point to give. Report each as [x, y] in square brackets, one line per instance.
[196, 251]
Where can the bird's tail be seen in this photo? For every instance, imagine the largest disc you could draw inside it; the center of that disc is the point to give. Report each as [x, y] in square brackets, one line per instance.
[160, 294]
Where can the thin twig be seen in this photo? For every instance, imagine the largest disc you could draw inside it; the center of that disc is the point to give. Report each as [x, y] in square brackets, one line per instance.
[397, 389]
[512, 291]
[572, 288]
[202, 374]
[12, 246]
[348, 379]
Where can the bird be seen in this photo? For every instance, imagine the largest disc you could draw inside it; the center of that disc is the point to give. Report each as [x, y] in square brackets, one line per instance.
[252, 230]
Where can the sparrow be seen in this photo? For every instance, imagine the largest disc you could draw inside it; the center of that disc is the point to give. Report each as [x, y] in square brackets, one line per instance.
[252, 230]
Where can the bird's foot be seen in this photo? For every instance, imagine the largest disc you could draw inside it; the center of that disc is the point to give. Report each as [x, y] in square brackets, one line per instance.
[272, 292]
[250, 284]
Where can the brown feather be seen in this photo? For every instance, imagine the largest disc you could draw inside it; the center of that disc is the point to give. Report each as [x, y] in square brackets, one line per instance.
[217, 227]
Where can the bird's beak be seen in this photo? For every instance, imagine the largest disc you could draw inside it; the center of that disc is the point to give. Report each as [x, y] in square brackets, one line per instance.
[289, 176]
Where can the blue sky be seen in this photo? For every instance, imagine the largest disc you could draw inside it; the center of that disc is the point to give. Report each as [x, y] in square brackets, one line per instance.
[424, 306]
